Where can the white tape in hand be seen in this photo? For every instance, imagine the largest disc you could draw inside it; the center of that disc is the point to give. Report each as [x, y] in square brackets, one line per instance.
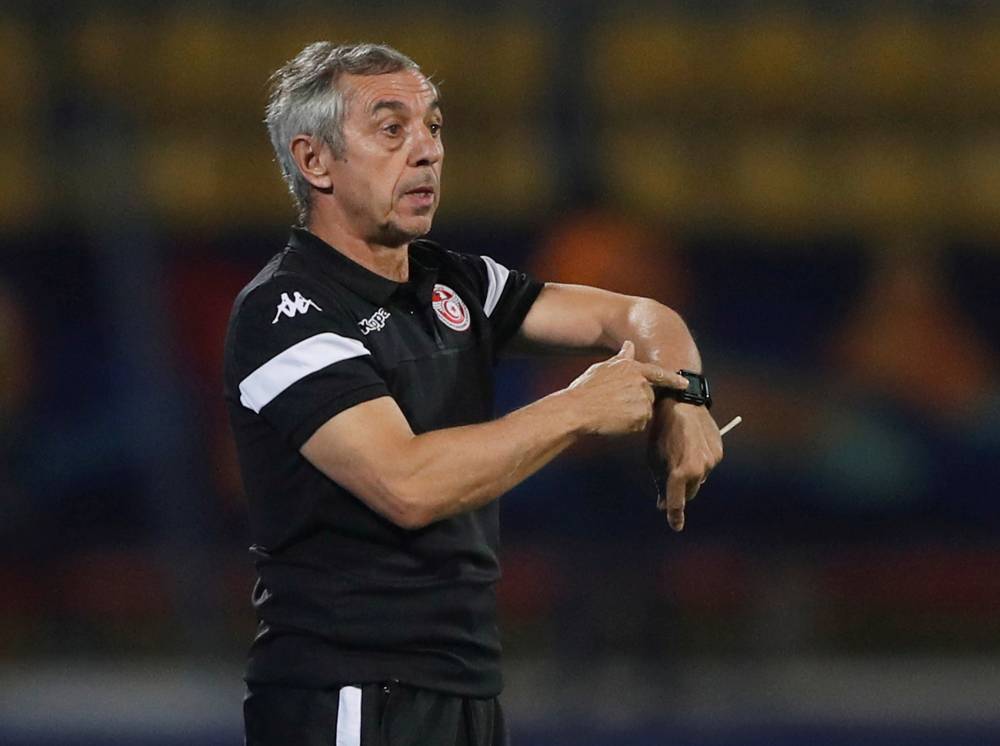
[732, 423]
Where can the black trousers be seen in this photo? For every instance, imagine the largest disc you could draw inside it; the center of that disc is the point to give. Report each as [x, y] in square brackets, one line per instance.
[390, 714]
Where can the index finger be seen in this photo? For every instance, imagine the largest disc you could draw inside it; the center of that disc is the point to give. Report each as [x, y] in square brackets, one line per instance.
[676, 499]
[662, 377]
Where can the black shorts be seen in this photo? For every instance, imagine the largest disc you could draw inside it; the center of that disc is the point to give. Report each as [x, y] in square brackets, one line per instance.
[390, 714]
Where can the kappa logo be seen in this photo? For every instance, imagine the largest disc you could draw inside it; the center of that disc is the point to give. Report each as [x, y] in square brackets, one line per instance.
[291, 306]
[450, 308]
[375, 322]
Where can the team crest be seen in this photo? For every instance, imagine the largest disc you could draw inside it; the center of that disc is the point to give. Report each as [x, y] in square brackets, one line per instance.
[450, 308]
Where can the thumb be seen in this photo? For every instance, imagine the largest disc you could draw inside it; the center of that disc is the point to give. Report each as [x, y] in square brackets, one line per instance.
[627, 352]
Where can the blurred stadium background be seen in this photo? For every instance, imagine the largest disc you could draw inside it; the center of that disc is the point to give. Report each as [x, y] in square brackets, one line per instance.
[816, 188]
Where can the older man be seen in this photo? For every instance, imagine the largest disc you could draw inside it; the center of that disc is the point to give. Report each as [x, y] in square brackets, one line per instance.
[359, 380]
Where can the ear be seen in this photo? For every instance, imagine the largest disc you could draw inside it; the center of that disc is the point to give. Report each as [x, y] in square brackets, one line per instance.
[308, 151]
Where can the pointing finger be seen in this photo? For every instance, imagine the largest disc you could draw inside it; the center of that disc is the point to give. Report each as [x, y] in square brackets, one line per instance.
[676, 498]
[662, 377]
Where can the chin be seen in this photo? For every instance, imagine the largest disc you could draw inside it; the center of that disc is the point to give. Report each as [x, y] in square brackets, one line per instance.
[398, 233]
[422, 226]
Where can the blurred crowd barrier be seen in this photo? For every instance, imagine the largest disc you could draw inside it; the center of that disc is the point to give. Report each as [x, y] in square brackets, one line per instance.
[815, 189]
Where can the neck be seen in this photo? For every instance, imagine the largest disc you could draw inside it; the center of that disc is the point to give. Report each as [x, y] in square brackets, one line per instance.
[388, 261]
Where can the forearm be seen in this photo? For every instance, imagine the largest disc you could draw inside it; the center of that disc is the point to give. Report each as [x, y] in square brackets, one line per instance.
[454, 470]
[659, 333]
[580, 318]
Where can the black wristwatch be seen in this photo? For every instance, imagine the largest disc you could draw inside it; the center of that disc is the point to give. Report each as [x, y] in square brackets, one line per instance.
[697, 391]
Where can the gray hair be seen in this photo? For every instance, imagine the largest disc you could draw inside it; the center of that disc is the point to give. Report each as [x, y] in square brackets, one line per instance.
[304, 99]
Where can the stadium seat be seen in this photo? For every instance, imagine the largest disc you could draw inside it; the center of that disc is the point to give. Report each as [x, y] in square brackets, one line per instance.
[109, 56]
[972, 67]
[780, 64]
[22, 83]
[887, 180]
[775, 181]
[22, 88]
[21, 187]
[201, 178]
[660, 173]
[891, 63]
[974, 195]
[651, 62]
[505, 173]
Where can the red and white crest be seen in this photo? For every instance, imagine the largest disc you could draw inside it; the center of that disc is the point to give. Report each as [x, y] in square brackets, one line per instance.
[450, 308]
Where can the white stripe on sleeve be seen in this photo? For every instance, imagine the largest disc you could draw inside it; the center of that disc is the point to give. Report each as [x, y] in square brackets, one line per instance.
[497, 274]
[349, 717]
[294, 364]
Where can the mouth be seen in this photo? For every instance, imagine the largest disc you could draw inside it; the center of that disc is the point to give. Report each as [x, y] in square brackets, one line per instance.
[422, 195]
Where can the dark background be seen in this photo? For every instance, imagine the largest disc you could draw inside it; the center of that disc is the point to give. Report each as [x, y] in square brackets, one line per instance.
[814, 186]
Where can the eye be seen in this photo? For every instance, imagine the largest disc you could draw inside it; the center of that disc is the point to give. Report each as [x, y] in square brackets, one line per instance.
[435, 128]
[393, 129]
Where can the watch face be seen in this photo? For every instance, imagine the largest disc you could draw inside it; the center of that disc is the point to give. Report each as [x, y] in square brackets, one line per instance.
[697, 390]
[695, 387]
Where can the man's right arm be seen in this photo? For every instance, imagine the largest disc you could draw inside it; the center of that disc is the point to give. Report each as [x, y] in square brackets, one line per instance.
[414, 480]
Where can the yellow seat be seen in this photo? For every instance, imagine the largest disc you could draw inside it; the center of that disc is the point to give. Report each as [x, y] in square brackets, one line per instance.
[210, 64]
[20, 81]
[777, 185]
[199, 178]
[503, 174]
[891, 63]
[648, 62]
[657, 172]
[779, 63]
[110, 56]
[887, 180]
[972, 68]
[21, 187]
[975, 195]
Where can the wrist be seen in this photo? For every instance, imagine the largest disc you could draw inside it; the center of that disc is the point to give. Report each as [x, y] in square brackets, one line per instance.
[568, 412]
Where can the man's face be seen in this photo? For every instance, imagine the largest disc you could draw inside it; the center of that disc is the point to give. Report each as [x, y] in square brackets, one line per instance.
[388, 178]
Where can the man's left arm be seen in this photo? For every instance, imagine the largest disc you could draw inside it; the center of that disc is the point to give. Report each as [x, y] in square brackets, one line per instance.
[579, 318]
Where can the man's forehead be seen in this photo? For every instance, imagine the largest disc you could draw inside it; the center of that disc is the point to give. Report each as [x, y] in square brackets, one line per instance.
[409, 87]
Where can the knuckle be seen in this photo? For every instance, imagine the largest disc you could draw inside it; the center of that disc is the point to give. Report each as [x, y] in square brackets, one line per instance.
[686, 473]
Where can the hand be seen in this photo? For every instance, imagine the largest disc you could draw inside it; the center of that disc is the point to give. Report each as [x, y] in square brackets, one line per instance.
[616, 397]
[687, 442]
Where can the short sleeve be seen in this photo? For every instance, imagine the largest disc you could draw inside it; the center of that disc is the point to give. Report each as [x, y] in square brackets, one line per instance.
[297, 359]
[507, 296]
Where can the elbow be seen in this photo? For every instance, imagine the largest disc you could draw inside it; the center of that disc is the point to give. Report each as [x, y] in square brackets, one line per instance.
[407, 508]
[647, 317]
[647, 310]
[411, 518]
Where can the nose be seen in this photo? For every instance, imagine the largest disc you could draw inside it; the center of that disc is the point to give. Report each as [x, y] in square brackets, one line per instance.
[426, 149]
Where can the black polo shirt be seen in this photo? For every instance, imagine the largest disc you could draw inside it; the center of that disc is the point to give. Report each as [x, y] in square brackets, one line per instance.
[343, 595]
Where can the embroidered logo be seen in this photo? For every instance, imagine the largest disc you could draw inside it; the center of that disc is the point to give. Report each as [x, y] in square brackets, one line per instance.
[375, 322]
[291, 306]
[450, 308]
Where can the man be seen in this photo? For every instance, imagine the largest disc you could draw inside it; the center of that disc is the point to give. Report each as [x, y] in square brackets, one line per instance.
[359, 375]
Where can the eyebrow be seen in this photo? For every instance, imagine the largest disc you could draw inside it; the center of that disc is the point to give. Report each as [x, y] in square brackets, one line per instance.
[394, 105]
